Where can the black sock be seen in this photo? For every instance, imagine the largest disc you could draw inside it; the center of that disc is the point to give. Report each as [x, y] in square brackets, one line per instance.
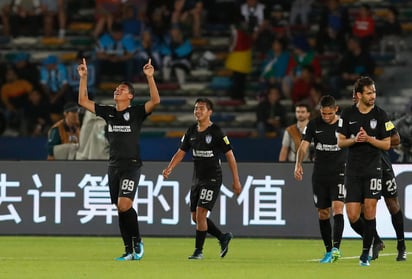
[338, 225]
[370, 228]
[397, 222]
[213, 229]
[200, 239]
[326, 233]
[127, 239]
[358, 226]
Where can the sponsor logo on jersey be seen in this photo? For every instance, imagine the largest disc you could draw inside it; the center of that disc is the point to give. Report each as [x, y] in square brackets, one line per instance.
[389, 126]
[373, 123]
[203, 153]
[119, 128]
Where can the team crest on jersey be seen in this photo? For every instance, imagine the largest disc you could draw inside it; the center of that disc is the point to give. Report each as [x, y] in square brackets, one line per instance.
[126, 116]
[373, 123]
[208, 139]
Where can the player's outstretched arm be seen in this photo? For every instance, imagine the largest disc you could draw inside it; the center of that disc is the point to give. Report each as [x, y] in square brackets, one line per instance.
[176, 159]
[84, 100]
[230, 157]
[154, 101]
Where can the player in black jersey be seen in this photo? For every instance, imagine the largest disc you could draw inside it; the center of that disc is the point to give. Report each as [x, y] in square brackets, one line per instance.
[124, 122]
[208, 143]
[365, 129]
[328, 174]
[390, 194]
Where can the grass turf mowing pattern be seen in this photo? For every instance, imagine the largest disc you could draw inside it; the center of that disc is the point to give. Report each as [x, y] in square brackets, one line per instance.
[93, 257]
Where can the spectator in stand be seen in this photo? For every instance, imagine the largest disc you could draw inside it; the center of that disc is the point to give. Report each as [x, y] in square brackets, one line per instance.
[334, 27]
[115, 53]
[54, 82]
[176, 52]
[159, 17]
[5, 16]
[253, 14]
[364, 26]
[271, 114]
[131, 21]
[52, 10]
[106, 13]
[147, 48]
[37, 114]
[300, 11]
[303, 55]
[275, 63]
[63, 136]
[25, 18]
[278, 21]
[239, 60]
[302, 85]
[391, 32]
[14, 94]
[26, 69]
[354, 63]
[189, 13]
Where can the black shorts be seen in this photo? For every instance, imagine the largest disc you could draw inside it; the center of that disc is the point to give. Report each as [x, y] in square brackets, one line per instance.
[328, 188]
[204, 193]
[123, 182]
[359, 188]
[389, 186]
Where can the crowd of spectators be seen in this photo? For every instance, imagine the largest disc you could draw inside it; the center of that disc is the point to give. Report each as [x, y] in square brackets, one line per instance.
[281, 45]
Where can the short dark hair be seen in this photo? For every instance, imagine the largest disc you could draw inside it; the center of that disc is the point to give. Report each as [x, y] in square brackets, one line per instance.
[327, 101]
[361, 82]
[303, 105]
[130, 87]
[207, 101]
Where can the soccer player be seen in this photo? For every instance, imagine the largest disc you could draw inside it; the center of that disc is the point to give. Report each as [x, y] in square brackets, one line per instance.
[208, 143]
[390, 194]
[124, 122]
[365, 129]
[328, 175]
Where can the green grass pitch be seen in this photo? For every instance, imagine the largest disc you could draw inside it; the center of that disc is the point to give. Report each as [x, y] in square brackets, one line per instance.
[93, 258]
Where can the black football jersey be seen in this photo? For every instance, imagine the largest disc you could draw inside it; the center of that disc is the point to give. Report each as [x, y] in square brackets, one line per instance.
[329, 157]
[363, 158]
[123, 133]
[207, 147]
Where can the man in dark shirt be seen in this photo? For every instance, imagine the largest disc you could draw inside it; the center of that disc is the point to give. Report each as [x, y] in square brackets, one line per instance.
[207, 142]
[328, 174]
[365, 129]
[124, 123]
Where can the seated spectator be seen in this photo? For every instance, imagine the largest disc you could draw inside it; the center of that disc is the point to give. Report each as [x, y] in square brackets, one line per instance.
[354, 63]
[37, 114]
[114, 54]
[54, 10]
[159, 17]
[189, 13]
[131, 22]
[26, 69]
[364, 26]
[176, 52]
[271, 114]
[5, 10]
[63, 136]
[25, 18]
[302, 85]
[391, 32]
[275, 63]
[334, 27]
[303, 55]
[299, 12]
[106, 12]
[14, 95]
[147, 48]
[253, 14]
[54, 82]
[278, 21]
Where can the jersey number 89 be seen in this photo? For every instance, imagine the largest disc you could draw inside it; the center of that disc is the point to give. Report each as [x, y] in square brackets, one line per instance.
[127, 185]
